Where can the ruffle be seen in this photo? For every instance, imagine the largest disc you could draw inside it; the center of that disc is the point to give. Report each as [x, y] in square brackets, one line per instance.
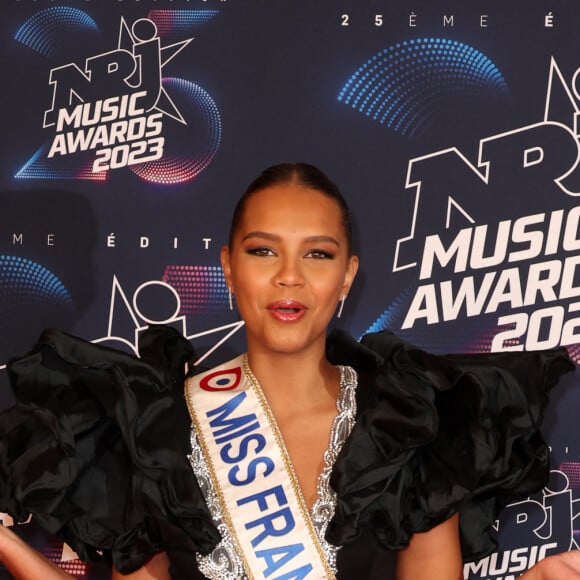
[436, 435]
[96, 448]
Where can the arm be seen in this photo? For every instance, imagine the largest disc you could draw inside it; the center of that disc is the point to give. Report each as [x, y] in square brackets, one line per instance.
[156, 569]
[25, 563]
[433, 555]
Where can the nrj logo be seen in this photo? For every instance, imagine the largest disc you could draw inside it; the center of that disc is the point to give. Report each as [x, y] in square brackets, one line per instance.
[117, 110]
[530, 530]
[136, 307]
[502, 235]
[116, 103]
[158, 302]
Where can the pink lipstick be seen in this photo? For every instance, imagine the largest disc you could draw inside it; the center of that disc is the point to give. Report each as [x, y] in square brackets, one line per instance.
[287, 310]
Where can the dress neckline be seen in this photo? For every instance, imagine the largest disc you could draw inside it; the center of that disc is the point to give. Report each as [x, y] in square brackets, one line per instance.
[223, 563]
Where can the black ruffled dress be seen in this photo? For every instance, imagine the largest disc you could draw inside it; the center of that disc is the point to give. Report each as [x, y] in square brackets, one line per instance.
[96, 448]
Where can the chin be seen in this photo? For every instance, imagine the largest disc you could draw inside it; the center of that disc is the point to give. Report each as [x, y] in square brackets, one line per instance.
[287, 339]
[287, 349]
[289, 345]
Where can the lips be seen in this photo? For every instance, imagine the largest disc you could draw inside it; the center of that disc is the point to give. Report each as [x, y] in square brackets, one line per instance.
[287, 310]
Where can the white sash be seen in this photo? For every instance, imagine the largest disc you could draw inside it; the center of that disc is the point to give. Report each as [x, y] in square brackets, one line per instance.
[259, 493]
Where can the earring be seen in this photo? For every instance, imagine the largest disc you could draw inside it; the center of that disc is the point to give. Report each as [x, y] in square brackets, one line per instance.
[230, 301]
[341, 306]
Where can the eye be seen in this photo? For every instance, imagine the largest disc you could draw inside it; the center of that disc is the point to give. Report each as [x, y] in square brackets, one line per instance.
[320, 255]
[262, 251]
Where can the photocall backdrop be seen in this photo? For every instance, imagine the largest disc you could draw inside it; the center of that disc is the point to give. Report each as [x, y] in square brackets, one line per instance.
[130, 127]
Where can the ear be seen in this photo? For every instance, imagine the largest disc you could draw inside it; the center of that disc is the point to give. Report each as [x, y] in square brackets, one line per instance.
[351, 270]
[226, 267]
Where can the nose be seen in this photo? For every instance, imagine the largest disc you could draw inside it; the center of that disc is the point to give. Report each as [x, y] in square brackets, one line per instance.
[288, 274]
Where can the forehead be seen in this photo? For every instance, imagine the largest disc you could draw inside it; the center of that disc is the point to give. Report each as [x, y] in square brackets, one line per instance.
[293, 206]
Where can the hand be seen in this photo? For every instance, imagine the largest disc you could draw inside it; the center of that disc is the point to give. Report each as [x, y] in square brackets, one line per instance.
[564, 566]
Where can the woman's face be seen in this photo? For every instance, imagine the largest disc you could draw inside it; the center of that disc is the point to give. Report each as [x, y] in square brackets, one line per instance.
[288, 267]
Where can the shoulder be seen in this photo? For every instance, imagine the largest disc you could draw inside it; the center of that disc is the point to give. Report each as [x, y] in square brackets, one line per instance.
[433, 432]
[93, 414]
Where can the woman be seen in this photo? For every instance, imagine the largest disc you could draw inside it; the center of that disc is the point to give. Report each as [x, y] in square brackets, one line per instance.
[262, 422]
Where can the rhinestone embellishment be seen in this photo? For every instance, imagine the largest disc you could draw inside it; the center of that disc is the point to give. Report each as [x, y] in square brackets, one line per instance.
[224, 563]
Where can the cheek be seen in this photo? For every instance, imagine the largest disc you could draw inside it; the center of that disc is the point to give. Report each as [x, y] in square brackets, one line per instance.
[251, 281]
[248, 288]
[330, 287]
[244, 274]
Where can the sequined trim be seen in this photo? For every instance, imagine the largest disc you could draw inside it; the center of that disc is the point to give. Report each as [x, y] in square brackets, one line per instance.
[224, 562]
[323, 509]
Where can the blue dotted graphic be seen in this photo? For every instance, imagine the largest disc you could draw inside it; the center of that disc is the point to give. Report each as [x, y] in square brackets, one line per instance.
[24, 282]
[405, 85]
[43, 31]
[392, 315]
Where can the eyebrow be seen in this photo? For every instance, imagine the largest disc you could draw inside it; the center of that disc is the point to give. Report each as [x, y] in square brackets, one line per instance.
[277, 238]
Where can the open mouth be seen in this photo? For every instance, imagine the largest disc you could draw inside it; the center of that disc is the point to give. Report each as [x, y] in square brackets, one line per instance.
[287, 310]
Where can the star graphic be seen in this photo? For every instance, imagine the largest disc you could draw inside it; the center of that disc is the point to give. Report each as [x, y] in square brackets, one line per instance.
[128, 40]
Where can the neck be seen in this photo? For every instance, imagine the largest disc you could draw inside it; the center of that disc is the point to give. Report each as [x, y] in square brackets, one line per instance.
[294, 379]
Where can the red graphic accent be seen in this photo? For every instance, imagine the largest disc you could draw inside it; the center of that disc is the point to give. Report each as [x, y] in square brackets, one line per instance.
[230, 379]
